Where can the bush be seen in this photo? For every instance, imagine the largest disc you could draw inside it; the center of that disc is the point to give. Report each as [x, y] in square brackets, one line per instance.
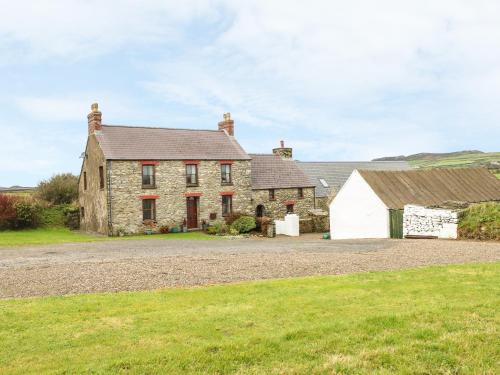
[212, 230]
[164, 229]
[60, 189]
[244, 224]
[7, 210]
[18, 212]
[27, 214]
[232, 217]
[219, 228]
[264, 222]
[480, 222]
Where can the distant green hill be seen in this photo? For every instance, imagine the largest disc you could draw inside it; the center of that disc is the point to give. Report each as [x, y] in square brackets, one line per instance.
[490, 160]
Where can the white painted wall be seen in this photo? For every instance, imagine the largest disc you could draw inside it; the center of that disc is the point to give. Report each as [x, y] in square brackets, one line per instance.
[289, 226]
[357, 212]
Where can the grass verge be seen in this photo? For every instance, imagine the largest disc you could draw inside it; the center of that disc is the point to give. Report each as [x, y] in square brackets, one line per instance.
[439, 320]
[480, 221]
[43, 236]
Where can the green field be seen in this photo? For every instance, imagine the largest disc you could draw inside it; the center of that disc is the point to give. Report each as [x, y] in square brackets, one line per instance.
[465, 160]
[438, 320]
[43, 236]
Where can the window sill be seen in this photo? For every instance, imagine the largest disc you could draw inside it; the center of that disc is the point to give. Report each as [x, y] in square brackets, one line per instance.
[192, 185]
[226, 184]
[149, 186]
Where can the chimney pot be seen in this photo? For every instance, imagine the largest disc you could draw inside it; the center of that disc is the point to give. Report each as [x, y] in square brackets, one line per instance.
[283, 152]
[282, 144]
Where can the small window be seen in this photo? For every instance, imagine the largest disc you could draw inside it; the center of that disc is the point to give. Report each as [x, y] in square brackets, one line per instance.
[148, 176]
[300, 193]
[84, 180]
[272, 195]
[101, 177]
[225, 173]
[227, 205]
[323, 182]
[82, 213]
[148, 209]
[289, 208]
[191, 174]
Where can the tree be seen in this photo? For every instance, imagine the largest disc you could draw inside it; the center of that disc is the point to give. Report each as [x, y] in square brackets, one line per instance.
[59, 189]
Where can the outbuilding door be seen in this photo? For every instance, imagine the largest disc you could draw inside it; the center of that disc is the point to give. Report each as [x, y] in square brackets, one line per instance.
[396, 223]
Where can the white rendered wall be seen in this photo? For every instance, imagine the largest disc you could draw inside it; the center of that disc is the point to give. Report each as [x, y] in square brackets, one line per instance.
[357, 212]
[289, 226]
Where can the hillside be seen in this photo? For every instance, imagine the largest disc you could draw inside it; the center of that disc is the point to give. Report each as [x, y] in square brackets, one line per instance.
[458, 159]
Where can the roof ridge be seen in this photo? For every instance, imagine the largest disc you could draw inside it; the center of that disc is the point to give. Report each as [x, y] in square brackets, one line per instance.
[159, 127]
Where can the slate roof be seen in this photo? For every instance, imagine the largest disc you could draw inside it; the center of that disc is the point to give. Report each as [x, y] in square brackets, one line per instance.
[337, 173]
[272, 172]
[146, 143]
[433, 186]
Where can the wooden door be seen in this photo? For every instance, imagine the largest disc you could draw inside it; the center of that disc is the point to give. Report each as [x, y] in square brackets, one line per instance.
[192, 212]
[396, 225]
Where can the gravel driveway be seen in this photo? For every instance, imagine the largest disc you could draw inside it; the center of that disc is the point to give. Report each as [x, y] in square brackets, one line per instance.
[110, 266]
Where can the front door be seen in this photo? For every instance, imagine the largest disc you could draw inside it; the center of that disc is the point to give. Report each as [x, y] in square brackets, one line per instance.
[192, 212]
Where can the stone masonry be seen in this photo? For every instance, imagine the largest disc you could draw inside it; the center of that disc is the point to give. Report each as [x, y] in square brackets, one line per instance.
[126, 192]
[277, 208]
[422, 221]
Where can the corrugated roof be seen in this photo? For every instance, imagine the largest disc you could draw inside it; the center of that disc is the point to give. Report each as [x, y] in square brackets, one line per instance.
[336, 173]
[143, 143]
[272, 172]
[433, 186]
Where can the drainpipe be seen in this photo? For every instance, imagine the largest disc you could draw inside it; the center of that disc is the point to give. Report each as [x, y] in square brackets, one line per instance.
[110, 211]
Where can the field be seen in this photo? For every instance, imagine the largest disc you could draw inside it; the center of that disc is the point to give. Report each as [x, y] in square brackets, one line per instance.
[43, 236]
[439, 320]
[464, 160]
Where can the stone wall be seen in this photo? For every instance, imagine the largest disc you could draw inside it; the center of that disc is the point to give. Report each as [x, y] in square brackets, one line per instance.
[171, 208]
[276, 208]
[422, 221]
[93, 199]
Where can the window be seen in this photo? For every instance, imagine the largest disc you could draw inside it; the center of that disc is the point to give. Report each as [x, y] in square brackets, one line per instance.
[323, 182]
[272, 195]
[148, 209]
[289, 208]
[82, 213]
[227, 205]
[84, 180]
[191, 174]
[225, 173]
[101, 177]
[300, 193]
[148, 176]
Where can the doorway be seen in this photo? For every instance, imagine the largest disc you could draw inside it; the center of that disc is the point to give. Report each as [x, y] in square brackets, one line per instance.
[192, 212]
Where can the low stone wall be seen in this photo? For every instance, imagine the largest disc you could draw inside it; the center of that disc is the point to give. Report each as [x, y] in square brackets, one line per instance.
[423, 221]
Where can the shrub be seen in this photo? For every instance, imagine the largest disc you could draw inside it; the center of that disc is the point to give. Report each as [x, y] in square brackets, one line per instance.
[244, 224]
[232, 217]
[59, 189]
[264, 222]
[480, 221]
[7, 210]
[54, 216]
[164, 229]
[212, 230]
[27, 214]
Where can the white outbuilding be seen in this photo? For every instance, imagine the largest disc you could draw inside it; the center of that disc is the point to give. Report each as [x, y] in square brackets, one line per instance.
[370, 204]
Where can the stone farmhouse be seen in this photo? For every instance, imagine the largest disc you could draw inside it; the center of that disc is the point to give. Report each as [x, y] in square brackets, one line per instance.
[138, 177]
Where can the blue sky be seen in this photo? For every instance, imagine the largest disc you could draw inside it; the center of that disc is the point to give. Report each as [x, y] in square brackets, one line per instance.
[337, 80]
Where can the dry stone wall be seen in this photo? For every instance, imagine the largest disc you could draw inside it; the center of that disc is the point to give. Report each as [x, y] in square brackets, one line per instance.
[422, 221]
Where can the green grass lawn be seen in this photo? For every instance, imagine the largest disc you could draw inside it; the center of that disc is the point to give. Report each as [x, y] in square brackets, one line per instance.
[60, 235]
[438, 320]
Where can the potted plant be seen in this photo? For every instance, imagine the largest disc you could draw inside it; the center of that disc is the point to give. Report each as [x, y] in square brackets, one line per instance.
[149, 226]
[204, 225]
[184, 226]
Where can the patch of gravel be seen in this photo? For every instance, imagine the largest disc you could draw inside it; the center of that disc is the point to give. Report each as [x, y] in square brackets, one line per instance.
[151, 264]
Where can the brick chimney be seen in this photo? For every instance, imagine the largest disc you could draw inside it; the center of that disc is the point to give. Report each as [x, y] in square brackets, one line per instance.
[94, 118]
[227, 124]
[284, 152]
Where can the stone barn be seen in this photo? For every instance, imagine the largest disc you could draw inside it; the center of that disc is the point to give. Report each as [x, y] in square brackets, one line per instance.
[371, 203]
